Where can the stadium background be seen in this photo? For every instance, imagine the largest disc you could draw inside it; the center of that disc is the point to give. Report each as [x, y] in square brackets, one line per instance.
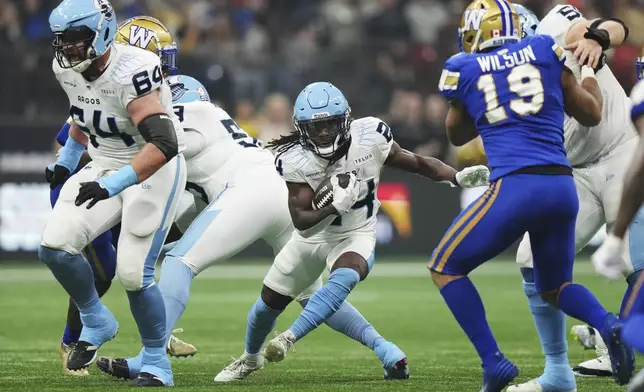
[254, 56]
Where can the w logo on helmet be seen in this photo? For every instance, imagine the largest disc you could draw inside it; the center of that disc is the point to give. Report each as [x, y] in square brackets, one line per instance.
[105, 7]
[140, 36]
[472, 19]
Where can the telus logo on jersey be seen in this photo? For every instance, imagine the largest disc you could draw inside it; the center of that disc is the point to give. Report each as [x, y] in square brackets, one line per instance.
[363, 159]
[91, 101]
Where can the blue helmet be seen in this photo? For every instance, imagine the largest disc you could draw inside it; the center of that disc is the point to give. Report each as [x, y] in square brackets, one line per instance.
[529, 21]
[322, 117]
[83, 31]
[186, 89]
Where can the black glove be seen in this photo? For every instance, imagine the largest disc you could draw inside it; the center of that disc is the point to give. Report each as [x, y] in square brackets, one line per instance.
[92, 191]
[56, 177]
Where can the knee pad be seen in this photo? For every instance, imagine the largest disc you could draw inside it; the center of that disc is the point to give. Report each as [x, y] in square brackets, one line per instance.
[130, 275]
[524, 253]
[56, 239]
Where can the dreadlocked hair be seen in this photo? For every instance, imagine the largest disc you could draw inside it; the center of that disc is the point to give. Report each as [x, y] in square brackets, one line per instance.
[285, 142]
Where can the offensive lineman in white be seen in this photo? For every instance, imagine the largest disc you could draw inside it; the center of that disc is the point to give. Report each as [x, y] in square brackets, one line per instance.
[599, 156]
[341, 235]
[248, 202]
[122, 110]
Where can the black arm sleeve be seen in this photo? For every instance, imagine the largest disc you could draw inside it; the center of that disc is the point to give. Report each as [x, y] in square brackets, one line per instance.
[159, 130]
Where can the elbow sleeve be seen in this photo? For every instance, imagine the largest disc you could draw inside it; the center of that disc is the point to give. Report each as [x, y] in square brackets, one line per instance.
[159, 130]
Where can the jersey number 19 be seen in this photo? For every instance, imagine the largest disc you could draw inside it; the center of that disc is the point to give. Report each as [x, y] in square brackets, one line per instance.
[525, 81]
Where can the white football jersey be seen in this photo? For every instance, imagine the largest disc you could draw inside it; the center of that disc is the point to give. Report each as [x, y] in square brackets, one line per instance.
[371, 141]
[99, 107]
[586, 145]
[215, 147]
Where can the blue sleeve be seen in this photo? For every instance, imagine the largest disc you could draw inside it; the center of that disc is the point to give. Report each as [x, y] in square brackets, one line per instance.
[63, 134]
[448, 85]
[637, 97]
[637, 111]
[548, 46]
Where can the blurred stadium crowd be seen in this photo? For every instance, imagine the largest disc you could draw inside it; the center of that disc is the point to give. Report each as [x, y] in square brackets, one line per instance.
[255, 55]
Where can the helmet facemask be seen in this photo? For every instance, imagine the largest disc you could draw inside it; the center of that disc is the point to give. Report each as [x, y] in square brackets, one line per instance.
[74, 48]
[168, 60]
[324, 136]
[639, 66]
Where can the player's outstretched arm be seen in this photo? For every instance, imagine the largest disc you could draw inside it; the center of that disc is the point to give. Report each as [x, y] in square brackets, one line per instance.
[583, 102]
[432, 168]
[589, 39]
[305, 219]
[152, 120]
[633, 193]
[459, 125]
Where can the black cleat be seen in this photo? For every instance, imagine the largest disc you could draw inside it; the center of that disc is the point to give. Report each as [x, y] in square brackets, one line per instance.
[400, 371]
[116, 367]
[82, 355]
[147, 380]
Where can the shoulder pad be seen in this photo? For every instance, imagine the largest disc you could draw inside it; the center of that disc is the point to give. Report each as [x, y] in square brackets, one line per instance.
[138, 73]
[291, 165]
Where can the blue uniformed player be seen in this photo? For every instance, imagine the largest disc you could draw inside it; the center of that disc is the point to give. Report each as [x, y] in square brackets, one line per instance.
[513, 93]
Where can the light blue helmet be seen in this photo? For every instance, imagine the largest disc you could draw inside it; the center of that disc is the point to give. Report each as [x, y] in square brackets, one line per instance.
[322, 117]
[83, 31]
[529, 21]
[186, 89]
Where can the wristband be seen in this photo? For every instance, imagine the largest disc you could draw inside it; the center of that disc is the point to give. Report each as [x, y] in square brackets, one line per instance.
[70, 154]
[587, 72]
[116, 182]
[600, 36]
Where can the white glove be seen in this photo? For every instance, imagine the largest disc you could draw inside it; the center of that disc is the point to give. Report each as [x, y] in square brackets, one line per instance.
[345, 198]
[473, 176]
[608, 260]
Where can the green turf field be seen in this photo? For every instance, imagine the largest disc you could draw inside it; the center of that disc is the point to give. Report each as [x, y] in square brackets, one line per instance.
[399, 299]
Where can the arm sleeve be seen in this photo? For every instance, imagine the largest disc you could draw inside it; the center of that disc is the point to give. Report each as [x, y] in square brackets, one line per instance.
[63, 134]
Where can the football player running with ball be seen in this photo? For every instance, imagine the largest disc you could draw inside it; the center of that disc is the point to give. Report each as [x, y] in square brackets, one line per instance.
[335, 227]
[513, 93]
[121, 110]
[599, 157]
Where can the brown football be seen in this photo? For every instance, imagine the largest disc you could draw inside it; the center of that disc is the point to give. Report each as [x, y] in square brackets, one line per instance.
[323, 195]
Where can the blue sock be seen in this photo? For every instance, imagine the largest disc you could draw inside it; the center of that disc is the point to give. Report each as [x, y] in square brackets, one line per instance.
[75, 275]
[464, 301]
[176, 279]
[326, 301]
[70, 336]
[627, 295]
[260, 322]
[578, 302]
[149, 313]
[348, 321]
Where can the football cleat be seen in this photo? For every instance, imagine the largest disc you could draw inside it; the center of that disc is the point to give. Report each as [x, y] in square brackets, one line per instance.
[279, 346]
[147, 380]
[82, 355]
[598, 367]
[637, 383]
[239, 369]
[400, 371]
[622, 357]
[178, 348]
[499, 377]
[116, 367]
[585, 335]
[535, 386]
[63, 353]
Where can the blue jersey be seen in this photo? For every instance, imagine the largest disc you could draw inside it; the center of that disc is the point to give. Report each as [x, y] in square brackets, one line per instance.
[514, 95]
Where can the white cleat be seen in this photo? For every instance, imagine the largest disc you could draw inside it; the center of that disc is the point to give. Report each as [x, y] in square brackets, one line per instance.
[598, 367]
[637, 383]
[585, 335]
[277, 348]
[63, 353]
[240, 368]
[178, 348]
[530, 386]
